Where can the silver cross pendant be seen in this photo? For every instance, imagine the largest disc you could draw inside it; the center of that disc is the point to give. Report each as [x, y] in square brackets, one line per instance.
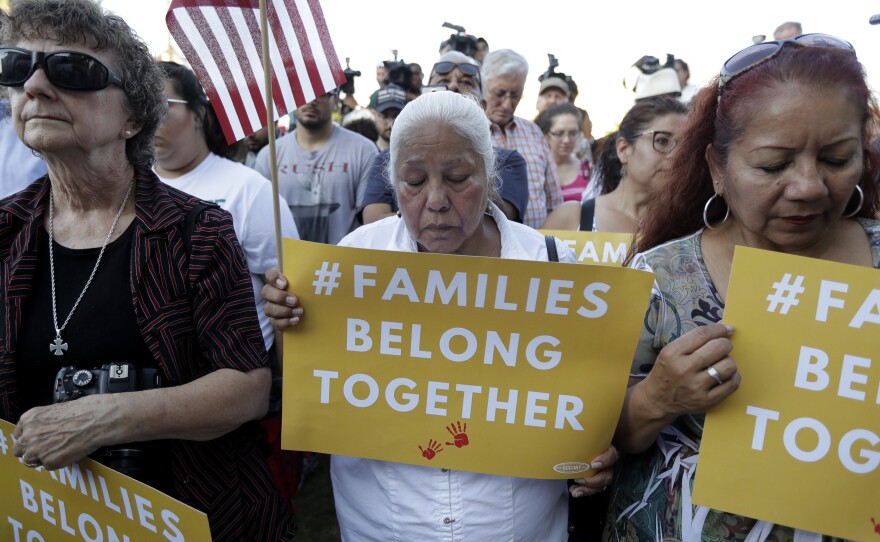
[58, 347]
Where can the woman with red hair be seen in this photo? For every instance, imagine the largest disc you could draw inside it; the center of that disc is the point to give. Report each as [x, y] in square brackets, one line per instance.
[775, 155]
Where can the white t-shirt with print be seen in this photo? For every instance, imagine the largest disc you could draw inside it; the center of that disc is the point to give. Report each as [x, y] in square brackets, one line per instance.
[247, 196]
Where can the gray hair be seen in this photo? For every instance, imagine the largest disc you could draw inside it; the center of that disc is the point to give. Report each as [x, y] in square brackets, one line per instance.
[504, 62]
[460, 112]
[83, 22]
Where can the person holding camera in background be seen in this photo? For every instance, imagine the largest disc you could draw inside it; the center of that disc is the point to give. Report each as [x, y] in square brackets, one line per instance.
[399, 73]
[103, 266]
[459, 73]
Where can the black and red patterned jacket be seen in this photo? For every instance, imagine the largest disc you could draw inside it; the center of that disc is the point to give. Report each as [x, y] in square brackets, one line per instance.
[195, 309]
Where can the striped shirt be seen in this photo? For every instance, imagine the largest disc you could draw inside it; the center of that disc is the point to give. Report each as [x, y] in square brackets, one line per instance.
[544, 191]
[195, 310]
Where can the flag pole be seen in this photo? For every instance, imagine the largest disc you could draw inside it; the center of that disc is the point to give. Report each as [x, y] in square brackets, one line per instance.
[273, 164]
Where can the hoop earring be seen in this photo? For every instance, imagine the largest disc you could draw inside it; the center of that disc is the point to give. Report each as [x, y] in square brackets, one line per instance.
[861, 202]
[706, 211]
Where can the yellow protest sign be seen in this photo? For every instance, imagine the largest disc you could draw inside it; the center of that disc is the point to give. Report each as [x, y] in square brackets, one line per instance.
[594, 247]
[87, 501]
[480, 364]
[798, 443]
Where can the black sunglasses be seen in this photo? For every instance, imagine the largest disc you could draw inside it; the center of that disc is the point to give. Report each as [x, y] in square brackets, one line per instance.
[754, 55]
[69, 70]
[442, 68]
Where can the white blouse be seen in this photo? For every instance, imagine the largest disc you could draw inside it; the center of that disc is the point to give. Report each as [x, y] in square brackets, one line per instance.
[384, 501]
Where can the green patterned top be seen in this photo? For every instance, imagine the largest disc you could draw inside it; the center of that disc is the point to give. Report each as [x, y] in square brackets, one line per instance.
[651, 496]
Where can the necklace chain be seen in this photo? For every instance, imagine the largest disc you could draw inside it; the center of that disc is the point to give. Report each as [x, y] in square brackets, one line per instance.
[59, 329]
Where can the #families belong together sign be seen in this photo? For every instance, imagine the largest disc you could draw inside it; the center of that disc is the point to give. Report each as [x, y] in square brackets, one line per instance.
[798, 443]
[87, 501]
[593, 247]
[505, 367]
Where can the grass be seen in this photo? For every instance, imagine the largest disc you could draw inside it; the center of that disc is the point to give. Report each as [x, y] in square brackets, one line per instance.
[315, 511]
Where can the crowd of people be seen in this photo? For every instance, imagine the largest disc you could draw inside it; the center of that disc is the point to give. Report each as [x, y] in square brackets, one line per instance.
[131, 183]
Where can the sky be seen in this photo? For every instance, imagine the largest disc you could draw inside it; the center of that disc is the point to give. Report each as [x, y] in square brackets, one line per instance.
[595, 42]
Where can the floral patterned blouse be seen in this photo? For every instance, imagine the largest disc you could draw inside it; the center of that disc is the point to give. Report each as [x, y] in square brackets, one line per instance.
[651, 496]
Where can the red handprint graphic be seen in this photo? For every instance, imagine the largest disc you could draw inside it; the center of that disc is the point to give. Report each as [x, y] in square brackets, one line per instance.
[876, 526]
[432, 449]
[459, 434]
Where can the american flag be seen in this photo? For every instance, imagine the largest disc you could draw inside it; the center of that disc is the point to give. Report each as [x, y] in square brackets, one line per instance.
[221, 40]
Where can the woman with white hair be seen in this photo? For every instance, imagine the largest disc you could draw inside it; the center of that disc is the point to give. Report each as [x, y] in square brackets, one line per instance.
[441, 167]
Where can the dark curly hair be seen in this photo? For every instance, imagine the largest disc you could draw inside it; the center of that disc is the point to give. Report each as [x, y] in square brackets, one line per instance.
[188, 87]
[635, 121]
[677, 207]
[83, 22]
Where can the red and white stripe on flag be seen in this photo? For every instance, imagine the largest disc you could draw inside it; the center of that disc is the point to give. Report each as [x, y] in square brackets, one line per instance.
[221, 40]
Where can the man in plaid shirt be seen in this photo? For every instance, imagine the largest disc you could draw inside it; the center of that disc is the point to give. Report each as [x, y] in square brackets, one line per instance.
[504, 77]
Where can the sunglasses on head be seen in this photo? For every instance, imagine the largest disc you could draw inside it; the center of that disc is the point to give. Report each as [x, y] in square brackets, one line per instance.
[69, 70]
[754, 55]
[442, 68]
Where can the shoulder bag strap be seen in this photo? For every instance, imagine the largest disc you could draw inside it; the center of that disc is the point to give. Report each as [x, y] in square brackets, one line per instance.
[552, 255]
[588, 209]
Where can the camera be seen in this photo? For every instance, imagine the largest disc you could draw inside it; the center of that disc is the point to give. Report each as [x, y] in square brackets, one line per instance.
[137, 460]
[551, 70]
[553, 63]
[646, 65]
[72, 383]
[650, 64]
[461, 41]
[398, 73]
[350, 74]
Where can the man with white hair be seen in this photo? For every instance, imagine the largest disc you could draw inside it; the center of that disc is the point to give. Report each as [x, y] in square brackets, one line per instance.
[504, 75]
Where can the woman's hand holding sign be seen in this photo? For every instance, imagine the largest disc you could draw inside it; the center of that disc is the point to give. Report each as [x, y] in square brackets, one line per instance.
[597, 483]
[692, 374]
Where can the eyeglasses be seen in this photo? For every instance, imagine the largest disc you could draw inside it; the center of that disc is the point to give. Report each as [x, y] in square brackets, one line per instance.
[754, 55]
[573, 134]
[442, 68]
[69, 70]
[175, 101]
[663, 142]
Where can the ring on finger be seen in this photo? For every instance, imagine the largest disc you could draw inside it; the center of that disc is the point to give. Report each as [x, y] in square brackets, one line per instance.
[714, 374]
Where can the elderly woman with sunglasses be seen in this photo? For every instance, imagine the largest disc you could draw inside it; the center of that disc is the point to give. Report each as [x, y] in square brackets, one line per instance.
[775, 155]
[630, 166]
[102, 264]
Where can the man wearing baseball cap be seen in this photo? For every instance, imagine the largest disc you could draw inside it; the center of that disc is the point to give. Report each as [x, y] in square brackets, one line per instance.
[554, 90]
[389, 102]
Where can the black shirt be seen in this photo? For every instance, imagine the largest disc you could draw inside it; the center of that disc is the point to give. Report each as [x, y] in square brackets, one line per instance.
[102, 330]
